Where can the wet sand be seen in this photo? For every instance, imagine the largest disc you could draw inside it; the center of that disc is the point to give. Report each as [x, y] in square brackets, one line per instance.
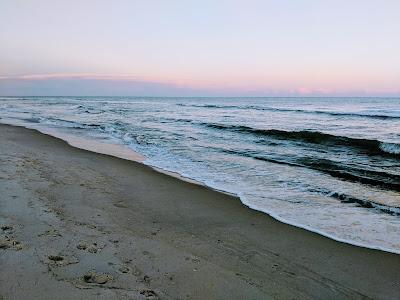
[81, 225]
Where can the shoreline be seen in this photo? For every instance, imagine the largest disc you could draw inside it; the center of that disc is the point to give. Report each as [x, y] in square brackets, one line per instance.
[126, 153]
[76, 224]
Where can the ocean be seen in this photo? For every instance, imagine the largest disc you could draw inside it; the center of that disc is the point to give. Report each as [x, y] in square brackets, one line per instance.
[329, 165]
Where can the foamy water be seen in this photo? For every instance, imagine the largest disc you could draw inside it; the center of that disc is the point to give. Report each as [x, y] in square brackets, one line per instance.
[328, 165]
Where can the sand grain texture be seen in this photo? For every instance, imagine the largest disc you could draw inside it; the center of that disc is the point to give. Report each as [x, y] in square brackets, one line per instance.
[80, 225]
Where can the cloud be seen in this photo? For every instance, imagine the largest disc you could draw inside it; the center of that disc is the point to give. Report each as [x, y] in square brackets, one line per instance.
[86, 84]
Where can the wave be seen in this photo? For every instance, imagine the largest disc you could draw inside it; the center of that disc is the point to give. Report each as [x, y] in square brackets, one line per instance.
[358, 115]
[89, 110]
[62, 123]
[211, 106]
[334, 169]
[342, 171]
[369, 146]
[262, 108]
[391, 148]
[392, 210]
[332, 113]
[32, 120]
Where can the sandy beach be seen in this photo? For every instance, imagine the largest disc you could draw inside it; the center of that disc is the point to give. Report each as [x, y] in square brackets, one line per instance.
[81, 225]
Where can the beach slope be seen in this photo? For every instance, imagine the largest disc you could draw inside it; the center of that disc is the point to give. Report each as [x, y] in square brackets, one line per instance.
[81, 225]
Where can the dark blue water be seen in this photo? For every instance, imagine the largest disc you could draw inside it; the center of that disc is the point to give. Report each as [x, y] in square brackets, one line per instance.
[331, 165]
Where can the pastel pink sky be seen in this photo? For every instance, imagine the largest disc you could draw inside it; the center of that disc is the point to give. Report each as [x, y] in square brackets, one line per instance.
[183, 48]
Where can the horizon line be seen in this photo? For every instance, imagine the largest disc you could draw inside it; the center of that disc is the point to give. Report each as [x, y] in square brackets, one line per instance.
[142, 96]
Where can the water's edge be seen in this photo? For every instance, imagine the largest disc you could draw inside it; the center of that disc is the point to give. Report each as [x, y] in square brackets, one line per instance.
[126, 153]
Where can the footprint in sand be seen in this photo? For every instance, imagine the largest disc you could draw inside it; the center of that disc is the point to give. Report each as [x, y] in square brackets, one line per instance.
[56, 258]
[82, 246]
[124, 269]
[9, 243]
[94, 248]
[50, 232]
[59, 260]
[150, 294]
[7, 228]
[93, 277]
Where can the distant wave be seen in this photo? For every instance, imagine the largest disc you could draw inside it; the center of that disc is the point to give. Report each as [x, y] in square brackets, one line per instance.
[262, 108]
[315, 137]
[332, 113]
[341, 114]
[210, 105]
[89, 109]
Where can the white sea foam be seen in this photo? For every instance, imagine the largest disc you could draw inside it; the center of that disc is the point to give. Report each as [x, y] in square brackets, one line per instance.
[391, 148]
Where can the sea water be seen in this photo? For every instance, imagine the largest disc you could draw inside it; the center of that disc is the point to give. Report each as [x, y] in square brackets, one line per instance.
[329, 165]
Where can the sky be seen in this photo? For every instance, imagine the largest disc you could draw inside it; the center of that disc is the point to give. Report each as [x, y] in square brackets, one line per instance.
[200, 48]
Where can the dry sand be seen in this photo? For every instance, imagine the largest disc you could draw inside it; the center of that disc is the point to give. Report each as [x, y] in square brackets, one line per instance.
[80, 225]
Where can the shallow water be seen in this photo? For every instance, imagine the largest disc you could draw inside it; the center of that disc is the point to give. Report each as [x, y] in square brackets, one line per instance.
[330, 165]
